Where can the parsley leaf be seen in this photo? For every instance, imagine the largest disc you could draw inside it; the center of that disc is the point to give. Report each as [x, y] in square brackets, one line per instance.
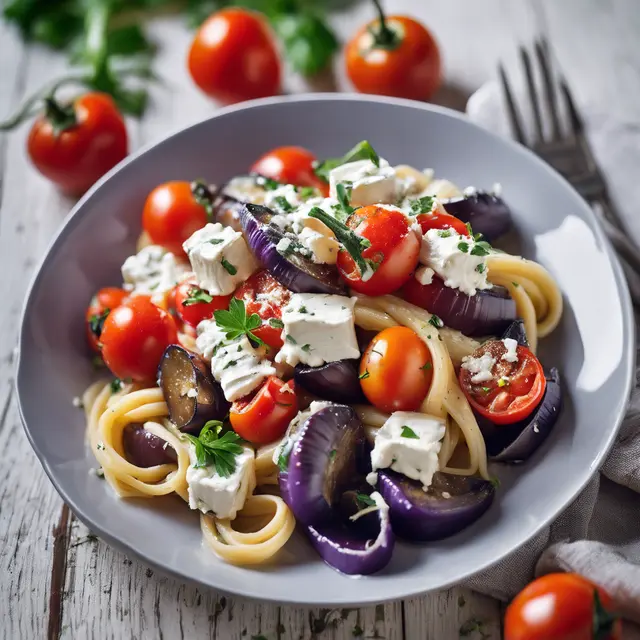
[408, 432]
[268, 184]
[427, 366]
[228, 267]
[481, 248]
[364, 375]
[363, 501]
[276, 323]
[214, 450]
[362, 151]
[203, 196]
[96, 322]
[290, 339]
[481, 268]
[422, 205]
[306, 192]
[236, 323]
[116, 385]
[444, 233]
[283, 203]
[435, 321]
[196, 296]
[463, 247]
[332, 454]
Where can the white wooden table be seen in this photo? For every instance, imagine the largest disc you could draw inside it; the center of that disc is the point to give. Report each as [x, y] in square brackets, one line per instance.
[59, 581]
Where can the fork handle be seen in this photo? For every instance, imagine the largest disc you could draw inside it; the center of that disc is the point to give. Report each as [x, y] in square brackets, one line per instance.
[623, 245]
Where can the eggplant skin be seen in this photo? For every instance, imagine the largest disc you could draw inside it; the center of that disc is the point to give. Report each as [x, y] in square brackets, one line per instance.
[423, 516]
[517, 332]
[181, 371]
[145, 449]
[486, 213]
[334, 381]
[515, 443]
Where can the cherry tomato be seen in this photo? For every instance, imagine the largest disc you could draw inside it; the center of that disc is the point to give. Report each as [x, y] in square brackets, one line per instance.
[134, 338]
[394, 56]
[264, 295]
[440, 220]
[291, 165]
[76, 145]
[393, 251]
[233, 57]
[561, 606]
[514, 390]
[396, 370]
[264, 416]
[193, 305]
[99, 308]
[171, 215]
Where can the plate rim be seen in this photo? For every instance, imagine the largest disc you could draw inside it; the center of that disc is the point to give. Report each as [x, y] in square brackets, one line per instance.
[628, 355]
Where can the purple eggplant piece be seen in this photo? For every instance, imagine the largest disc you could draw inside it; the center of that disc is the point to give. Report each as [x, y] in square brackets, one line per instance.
[345, 548]
[295, 272]
[487, 214]
[324, 463]
[334, 381]
[145, 449]
[516, 331]
[450, 505]
[180, 375]
[517, 442]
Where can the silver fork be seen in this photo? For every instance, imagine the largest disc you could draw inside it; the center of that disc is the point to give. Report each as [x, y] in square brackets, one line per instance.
[568, 153]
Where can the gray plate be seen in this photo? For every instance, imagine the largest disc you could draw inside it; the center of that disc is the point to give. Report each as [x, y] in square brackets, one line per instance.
[593, 346]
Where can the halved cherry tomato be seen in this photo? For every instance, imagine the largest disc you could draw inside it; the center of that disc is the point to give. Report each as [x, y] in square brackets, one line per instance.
[193, 305]
[233, 57]
[394, 56]
[75, 145]
[134, 338]
[264, 416]
[393, 251]
[291, 165]
[441, 220]
[264, 295]
[514, 389]
[171, 215]
[396, 370]
[561, 606]
[99, 308]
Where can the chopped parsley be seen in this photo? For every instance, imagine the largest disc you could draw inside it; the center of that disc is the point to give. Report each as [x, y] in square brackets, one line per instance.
[421, 205]
[486, 389]
[96, 322]
[408, 432]
[435, 321]
[344, 209]
[515, 284]
[306, 192]
[363, 501]
[463, 247]
[203, 196]
[196, 296]
[276, 323]
[444, 233]
[302, 309]
[481, 248]
[481, 268]
[362, 151]
[469, 229]
[495, 481]
[229, 268]
[239, 349]
[268, 184]
[427, 366]
[215, 241]
[364, 375]
[100, 446]
[332, 454]
[306, 348]
[236, 323]
[283, 204]
[231, 363]
[116, 385]
[290, 339]
[215, 450]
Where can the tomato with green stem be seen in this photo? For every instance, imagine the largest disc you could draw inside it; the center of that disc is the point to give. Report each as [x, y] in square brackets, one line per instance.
[233, 57]
[396, 370]
[263, 417]
[394, 56]
[134, 338]
[562, 606]
[172, 212]
[502, 388]
[75, 145]
[99, 308]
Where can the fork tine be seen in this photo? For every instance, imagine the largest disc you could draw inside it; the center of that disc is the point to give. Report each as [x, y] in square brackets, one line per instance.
[577, 126]
[514, 116]
[533, 97]
[542, 50]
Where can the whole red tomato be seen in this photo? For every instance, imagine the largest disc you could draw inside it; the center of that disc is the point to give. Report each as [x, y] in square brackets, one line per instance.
[171, 215]
[561, 606]
[233, 57]
[394, 56]
[76, 145]
[99, 308]
[291, 165]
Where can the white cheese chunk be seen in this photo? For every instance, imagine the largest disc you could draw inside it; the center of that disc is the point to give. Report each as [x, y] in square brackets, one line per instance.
[409, 443]
[424, 275]
[318, 328]
[370, 184]
[511, 346]
[450, 255]
[209, 491]
[480, 367]
[220, 258]
[235, 364]
[153, 271]
[322, 245]
[283, 199]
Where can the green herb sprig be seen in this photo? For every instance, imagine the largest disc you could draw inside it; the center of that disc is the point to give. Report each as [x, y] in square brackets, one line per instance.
[197, 296]
[362, 151]
[215, 450]
[236, 323]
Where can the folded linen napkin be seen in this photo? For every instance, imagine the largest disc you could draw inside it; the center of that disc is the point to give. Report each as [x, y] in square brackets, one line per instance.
[598, 535]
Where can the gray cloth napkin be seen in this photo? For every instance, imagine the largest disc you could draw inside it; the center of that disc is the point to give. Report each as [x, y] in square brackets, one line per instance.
[598, 535]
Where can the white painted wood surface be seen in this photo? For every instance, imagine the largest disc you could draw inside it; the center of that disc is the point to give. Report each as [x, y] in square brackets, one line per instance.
[56, 579]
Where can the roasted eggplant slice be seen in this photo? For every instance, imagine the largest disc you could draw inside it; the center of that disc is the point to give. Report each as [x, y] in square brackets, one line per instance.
[191, 393]
[145, 449]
